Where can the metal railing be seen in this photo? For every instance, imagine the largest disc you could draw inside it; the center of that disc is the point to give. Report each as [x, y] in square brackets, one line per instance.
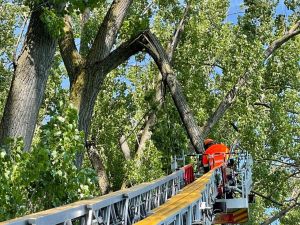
[129, 206]
[199, 210]
[122, 207]
[244, 174]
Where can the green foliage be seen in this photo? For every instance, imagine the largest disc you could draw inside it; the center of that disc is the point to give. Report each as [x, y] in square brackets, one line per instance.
[46, 176]
[137, 21]
[292, 5]
[53, 22]
[150, 169]
[52, 11]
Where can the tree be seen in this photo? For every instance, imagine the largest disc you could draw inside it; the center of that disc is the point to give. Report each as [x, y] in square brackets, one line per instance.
[148, 42]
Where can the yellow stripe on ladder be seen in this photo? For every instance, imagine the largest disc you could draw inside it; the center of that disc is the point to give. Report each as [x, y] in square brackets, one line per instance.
[184, 198]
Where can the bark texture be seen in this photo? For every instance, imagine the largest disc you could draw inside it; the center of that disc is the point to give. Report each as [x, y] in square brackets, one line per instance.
[28, 84]
[124, 147]
[98, 166]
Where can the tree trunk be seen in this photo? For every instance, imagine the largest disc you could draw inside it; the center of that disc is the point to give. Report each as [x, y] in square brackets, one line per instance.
[28, 84]
[84, 104]
[98, 167]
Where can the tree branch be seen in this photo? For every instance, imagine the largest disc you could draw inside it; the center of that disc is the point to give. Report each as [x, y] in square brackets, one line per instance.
[15, 58]
[71, 57]
[177, 34]
[279, 215]
[119, 55]
[154, 48]
[160, 88]
[148, 42]
[234, 127]
[277, 43]
[231, 96]
[267, 198]
[283, 212]
[108, 31]
[98, 166]
[124, 147]
[262, 104]
[280, 161]
[83, 20]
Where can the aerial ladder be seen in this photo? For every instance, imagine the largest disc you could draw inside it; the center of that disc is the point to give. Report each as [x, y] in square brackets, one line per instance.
[176, 199]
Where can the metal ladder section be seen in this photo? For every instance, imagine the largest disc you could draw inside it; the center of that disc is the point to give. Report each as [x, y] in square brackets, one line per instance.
[192, 205]
[122, 207]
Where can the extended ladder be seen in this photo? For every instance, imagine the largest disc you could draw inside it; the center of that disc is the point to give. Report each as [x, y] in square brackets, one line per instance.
[166, 201]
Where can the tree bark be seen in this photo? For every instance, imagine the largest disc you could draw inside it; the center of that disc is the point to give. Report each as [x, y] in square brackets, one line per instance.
[124, 147]
[28, 84]
[108, 30]
[100, 49]
[98, 166]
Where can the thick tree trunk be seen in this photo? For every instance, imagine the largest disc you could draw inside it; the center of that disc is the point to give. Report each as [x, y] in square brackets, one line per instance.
[28, 84]
[84, 106]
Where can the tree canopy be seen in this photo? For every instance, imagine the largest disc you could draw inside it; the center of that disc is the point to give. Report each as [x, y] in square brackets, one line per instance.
[140, 81]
